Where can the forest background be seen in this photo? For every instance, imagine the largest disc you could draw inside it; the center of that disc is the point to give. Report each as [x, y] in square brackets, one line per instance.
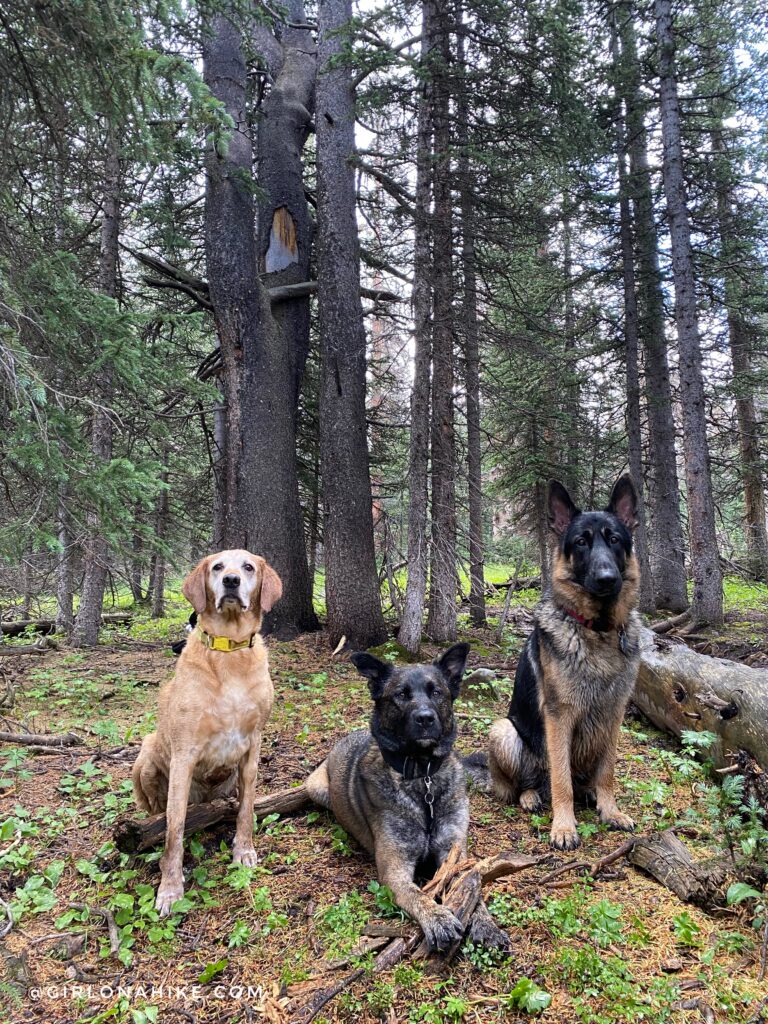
[346, 287]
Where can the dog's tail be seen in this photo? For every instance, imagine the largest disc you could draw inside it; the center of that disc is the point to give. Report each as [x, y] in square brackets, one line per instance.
[476, 769]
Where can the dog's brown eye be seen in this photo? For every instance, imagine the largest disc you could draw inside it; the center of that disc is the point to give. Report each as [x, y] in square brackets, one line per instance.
[248, 567]
[218, 567]
[581, 542]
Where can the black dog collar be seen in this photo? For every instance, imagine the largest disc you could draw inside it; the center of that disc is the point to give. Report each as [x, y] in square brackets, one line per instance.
[412, 767]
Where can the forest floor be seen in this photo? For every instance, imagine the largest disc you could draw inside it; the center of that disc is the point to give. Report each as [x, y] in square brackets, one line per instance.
[621, 948]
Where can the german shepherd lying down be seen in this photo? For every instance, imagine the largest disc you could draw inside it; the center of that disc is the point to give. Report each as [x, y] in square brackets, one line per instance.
[400, 790]
[577, 670]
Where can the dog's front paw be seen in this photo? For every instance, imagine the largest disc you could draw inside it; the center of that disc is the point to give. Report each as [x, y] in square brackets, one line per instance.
[618, 820]
[245, 855]
[442, 928]
[167, 895]
[564, 837]
[484, 931]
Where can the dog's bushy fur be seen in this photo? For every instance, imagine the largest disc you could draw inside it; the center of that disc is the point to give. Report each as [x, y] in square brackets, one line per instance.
[577, 670]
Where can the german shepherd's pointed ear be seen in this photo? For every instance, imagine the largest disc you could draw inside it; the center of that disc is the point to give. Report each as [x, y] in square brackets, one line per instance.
[623, 503]
[194, 589]
[452, 664]
[560, 508]
[271, 587]
[377, 672]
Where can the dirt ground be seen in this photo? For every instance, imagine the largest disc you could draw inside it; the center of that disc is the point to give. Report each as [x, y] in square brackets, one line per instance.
[621, 948]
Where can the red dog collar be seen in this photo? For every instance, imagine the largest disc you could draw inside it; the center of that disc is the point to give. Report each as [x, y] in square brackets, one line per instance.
[579, 618]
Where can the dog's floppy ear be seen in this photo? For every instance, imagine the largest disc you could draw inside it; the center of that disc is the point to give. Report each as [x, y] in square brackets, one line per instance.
[452, 664]
[271, 587]
[560, 508]
[377, 672]
[623, 503]
[193, 587]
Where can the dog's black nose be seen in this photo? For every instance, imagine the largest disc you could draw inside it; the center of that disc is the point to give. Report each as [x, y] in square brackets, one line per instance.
[425, 719]
[606, 577]
[231, 581]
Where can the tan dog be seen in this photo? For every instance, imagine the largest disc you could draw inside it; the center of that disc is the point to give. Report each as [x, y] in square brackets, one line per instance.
[212, 713]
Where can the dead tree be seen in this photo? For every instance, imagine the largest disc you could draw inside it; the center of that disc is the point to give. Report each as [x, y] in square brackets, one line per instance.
[678, 689]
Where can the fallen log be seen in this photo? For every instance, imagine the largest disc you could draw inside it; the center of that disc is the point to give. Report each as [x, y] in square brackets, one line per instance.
[664, 625]
[522, 583]
[678, 689]
[42, 739]
[136, 835]
[704, 883]
[46, 626]
[43, 645]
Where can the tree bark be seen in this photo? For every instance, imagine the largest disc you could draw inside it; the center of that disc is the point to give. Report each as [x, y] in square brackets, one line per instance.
[705, 562]
[156, 590]
[261, 509]
[135, 835]
[352, 593]
[704, 882]
[471, 356]
[232, 269]
[64, 570]
[409, 634]
[631, 348]
[740, 343]
[274, 368]
[443, 582]
[570, 449]
[679, 689]
[95, 548]
[666, 538]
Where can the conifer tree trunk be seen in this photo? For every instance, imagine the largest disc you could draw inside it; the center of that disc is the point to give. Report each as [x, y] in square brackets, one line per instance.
[571, 398]
[666, 537]
[260, 379]
[631, 349]
[64, 573]
[95, 547]
[351, 585]
[707, 602]
[443, 583]
[740, 343]
[284, 227]
[230, 259]
[156, 587]
[471, 357]
[409, 634]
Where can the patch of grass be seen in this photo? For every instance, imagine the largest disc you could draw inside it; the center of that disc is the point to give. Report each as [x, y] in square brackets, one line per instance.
[742, 597]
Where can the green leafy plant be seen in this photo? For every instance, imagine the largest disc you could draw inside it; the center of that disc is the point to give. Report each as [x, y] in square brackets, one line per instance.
[527, 995]
[213, 970]
[605, 923]
[385, 900]
[740, 892]
[686, 931]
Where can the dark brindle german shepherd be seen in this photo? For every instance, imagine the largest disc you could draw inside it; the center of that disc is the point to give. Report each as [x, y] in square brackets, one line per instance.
[577, 670]
[400, 791]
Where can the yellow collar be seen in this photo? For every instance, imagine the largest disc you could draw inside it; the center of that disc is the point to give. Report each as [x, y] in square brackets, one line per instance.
[223, 643]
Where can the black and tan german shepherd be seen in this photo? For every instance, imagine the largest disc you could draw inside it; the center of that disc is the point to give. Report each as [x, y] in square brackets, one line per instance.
[577, 670]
